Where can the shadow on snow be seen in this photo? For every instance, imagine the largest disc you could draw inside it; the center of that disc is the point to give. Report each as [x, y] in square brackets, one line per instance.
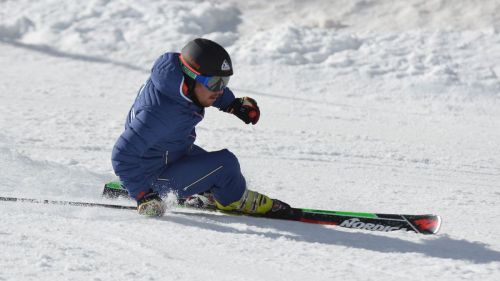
[440, 246]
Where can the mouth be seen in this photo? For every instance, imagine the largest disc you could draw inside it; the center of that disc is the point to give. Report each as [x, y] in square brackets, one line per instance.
[210, 100]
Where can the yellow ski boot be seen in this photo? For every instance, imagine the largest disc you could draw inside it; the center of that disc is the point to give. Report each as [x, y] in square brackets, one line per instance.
[254, 203]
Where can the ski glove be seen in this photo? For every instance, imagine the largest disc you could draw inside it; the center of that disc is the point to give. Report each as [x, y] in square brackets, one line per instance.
[150, 205]
[246, 109]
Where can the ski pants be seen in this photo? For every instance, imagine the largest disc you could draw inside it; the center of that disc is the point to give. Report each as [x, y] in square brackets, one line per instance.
[200, 171]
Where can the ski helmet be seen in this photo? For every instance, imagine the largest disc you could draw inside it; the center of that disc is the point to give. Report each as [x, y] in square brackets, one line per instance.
[207, 62]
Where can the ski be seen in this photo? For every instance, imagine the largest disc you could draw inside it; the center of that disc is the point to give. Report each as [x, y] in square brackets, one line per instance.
[422, 224]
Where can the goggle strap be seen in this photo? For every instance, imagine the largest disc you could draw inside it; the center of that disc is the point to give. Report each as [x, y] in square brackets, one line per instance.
[186, 68]
[188, 71]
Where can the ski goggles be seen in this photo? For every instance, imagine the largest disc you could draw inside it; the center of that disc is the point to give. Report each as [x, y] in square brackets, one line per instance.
[213, 83]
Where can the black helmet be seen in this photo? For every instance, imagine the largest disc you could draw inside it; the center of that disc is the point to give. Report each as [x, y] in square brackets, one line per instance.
[207, 58]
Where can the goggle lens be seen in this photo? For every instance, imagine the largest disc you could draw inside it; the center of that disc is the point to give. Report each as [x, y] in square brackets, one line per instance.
[217, 83]
[213, 83]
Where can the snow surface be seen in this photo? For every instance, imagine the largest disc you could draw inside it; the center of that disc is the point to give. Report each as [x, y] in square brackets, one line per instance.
[367, 105]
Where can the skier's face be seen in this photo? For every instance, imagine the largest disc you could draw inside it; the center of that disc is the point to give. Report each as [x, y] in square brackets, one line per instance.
[205, 96]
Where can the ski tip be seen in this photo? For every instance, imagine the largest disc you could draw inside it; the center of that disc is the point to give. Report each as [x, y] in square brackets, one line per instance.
[426, 224]
[436, 230]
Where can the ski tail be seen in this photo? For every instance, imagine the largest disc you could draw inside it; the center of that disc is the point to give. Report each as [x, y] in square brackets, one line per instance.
[114, 190]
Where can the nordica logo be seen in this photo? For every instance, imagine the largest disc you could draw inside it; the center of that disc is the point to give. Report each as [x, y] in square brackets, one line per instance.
[356, 223]
[225, 66]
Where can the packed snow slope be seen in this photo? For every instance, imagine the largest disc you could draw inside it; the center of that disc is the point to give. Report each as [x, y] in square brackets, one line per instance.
[367, 105]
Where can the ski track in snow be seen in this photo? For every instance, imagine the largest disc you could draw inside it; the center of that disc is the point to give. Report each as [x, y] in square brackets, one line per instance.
[397, 114]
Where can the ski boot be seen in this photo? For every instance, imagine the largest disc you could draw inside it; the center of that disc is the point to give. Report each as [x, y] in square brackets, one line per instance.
[257, 204]
[203, 200]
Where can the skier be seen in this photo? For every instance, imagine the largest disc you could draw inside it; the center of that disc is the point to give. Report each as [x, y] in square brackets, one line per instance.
[156, 153]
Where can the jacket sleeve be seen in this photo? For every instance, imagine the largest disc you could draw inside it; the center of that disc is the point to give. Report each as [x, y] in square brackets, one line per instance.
[141, 134]
[224, 100]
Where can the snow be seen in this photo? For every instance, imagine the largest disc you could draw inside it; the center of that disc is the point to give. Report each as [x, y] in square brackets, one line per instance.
[376, 106]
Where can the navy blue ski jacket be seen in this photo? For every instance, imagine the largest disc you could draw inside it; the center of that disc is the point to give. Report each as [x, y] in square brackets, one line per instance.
[160, 126]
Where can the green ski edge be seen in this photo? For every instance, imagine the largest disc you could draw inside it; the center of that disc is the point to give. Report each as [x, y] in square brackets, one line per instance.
[114, 185]
[340, 213]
